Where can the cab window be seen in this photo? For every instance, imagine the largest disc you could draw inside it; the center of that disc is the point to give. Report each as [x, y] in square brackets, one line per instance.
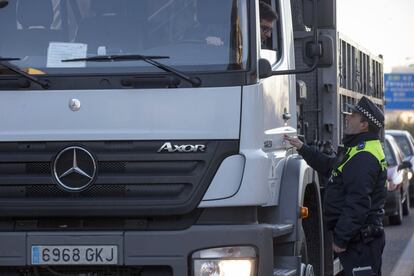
[270, 30]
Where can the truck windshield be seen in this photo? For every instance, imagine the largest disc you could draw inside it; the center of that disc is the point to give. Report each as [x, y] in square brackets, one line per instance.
[196, 35]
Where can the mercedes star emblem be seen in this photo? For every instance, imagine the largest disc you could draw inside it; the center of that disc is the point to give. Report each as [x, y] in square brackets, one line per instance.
[74, 168]
[74, 104]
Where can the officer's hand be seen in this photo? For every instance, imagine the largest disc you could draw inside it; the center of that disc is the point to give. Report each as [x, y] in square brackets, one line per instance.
[294, 141]
[337, 249]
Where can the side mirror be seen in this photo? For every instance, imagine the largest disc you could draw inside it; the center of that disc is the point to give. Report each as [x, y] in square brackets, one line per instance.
[405, 165]
[318, 50]
[326, 13]
[323, 50]
[265, 69]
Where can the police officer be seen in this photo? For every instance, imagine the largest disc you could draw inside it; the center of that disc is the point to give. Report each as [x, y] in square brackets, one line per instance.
[355, 195]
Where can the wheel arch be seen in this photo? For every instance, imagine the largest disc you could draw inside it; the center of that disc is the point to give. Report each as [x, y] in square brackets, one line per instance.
[301, 185]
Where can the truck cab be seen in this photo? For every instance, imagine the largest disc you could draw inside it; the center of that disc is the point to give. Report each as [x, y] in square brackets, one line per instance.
[146, 138]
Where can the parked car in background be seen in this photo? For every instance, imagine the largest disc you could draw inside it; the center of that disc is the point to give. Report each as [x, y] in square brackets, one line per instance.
[406, 143]
[398, 200]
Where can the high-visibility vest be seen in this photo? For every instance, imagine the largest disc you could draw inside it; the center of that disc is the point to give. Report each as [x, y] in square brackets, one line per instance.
[374, 147]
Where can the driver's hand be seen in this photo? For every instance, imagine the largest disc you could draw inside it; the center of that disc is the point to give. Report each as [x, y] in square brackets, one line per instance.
[294, 141]
[214, 40]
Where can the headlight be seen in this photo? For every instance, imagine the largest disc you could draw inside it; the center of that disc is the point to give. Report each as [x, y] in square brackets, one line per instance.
[410, 175]
[225, 261]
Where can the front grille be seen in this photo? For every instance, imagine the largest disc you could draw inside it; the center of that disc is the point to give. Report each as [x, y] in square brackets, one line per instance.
[133, 179]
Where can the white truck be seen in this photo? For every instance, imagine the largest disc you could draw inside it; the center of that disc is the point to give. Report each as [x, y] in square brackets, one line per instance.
[145, 137]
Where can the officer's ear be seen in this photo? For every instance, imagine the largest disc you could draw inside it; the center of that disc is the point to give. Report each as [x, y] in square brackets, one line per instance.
[364, 124]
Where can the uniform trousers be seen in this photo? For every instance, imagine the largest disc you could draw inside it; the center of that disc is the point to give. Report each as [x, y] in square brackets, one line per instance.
[362, 254]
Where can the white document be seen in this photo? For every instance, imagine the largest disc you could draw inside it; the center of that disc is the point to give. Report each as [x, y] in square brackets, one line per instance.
[59, 51]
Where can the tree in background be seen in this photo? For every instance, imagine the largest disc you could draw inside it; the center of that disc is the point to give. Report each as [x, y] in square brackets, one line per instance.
[400, 124]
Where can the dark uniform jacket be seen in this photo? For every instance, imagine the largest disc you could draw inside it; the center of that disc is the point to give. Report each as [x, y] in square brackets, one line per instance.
[354, 197]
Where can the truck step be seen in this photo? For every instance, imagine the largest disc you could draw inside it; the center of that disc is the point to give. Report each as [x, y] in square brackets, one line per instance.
[284, 272]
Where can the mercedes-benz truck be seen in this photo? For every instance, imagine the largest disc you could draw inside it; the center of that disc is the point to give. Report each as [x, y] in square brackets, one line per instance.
[145, 137]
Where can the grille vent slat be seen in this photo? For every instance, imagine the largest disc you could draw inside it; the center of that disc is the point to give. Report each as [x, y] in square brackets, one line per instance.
[97, 191]
[137, 168]
[38, 168]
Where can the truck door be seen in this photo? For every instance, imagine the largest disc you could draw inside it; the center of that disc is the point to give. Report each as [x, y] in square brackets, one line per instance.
[278, 50]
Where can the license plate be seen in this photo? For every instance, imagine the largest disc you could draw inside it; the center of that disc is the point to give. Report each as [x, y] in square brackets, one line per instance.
[75, 255]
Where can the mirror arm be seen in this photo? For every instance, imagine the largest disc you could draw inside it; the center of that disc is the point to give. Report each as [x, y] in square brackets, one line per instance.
[298, 71]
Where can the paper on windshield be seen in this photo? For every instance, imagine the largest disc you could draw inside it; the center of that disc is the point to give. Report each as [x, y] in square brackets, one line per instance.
[59, 51]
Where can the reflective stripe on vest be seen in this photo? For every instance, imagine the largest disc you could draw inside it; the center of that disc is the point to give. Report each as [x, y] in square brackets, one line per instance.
[374, 147]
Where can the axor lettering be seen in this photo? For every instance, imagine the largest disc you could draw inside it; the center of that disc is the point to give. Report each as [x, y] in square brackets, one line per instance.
[181, 148]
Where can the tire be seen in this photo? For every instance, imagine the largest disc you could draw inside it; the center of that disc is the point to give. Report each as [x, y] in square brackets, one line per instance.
[406, 205]
[397, 219]
[306, 267]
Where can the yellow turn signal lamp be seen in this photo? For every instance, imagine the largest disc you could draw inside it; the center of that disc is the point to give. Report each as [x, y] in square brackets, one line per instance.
[304, 212]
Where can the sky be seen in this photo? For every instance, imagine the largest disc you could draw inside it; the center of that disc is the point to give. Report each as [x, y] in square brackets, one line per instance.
[382, 26]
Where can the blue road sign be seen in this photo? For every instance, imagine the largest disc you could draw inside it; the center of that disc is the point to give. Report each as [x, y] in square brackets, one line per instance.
[399, 91]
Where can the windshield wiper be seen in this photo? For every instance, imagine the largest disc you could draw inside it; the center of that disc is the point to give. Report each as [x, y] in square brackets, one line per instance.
[5, 63]
[148, 59]
[8, 59]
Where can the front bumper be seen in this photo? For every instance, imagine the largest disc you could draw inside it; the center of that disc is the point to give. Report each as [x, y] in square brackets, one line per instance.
[146, 248]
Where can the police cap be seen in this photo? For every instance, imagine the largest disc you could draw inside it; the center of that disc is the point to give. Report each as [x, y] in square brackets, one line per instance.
[370, 111]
